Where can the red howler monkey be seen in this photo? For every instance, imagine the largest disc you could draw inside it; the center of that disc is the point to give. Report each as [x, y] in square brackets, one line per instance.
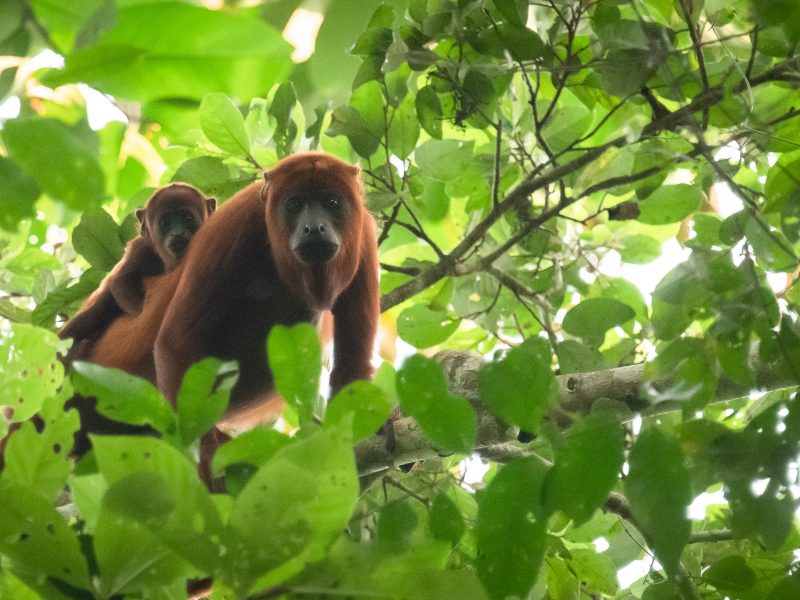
[174, 213]
[280, 252]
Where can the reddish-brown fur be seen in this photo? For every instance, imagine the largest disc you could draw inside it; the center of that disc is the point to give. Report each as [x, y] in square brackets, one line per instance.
[122, 291]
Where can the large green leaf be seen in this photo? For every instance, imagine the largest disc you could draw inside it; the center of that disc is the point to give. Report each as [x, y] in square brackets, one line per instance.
[295, 358]
[593, 317]
[512, 529]
[97, 238]
[39, 459]
[36, 538]
[123, 397]
[520, 386]
[448, 421]
[29, 370]
[177, 50]
[17, 194]
[62, 160]
[174, 503]
[669, 204]
[423, 327]
[223, 125]
[659, 493]
[292, 508]
[587, 462]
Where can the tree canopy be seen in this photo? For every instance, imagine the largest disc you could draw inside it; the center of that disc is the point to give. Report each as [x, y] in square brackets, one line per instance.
[598, 199]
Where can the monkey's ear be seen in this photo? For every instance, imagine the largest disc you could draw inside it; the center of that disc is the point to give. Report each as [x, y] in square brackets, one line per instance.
[211, 204]
[355, 169]
[263, 193]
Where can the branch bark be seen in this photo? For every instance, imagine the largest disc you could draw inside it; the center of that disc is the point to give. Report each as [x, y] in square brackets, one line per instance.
[577, 394]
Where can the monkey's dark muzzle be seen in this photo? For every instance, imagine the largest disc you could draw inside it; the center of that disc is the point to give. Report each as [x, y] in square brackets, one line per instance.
[316, 251]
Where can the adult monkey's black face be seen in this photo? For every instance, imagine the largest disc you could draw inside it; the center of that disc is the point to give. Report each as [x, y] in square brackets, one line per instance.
[314, 219]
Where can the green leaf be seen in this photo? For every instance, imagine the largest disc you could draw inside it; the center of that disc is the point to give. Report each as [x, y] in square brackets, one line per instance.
[444, 160]
[423, 327]
[522, 43]
[669, 204]
[175, 505]
[11, 16]
[366, 402]
[147, 56]
[731, 574]
[203, 397]
[283, 103]
[659, 493]
[131, 556]
[404, 129]
[295, 359]
[39, 459]
[773, 250]
[574, 357]
[62, 160]
[623, 71]
[639, 249]
[446, 522]
[123, 397]
[291, 509]
[512, 529]
[429, 111]
[97, 239]
[223, 125]
[255, 447]
[587, 463]
[347, 121]
[18, 193]
[212, 176]
[448, 421]
[30, 371]
[596, 572]
[514, 11]
[34, 537]
[786, 589]
[65, 21]
[593, 317]
[520, 386]
[62, 299]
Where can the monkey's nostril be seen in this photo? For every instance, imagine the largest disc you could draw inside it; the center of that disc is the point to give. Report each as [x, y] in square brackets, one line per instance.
[322, 228]
[306, 229]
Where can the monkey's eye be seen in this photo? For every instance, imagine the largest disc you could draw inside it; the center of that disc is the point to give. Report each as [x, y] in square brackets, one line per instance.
[330, 203]
[164, 222]
[294, 205]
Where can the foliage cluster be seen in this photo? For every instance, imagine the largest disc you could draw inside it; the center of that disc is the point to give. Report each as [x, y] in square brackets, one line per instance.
[528, 164]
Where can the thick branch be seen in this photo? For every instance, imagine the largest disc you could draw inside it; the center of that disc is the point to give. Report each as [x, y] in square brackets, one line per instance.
[577, 394]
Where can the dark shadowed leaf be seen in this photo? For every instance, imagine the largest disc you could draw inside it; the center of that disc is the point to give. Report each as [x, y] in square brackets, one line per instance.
[512, 529]
[18, 193]
[658, 490]
[587, 460]
[519, 387]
